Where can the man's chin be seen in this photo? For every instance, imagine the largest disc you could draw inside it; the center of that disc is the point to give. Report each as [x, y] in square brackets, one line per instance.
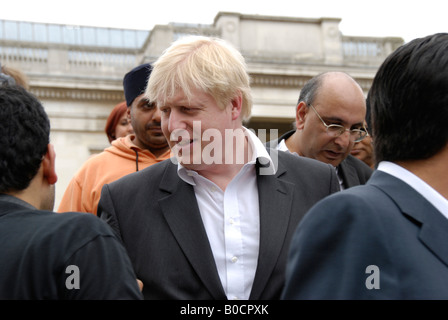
[333, 162]
[158, 144]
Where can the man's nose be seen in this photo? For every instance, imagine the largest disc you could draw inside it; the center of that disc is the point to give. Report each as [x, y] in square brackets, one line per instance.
[345, 139]
[175, 121]
[157, 116]
[129, 128]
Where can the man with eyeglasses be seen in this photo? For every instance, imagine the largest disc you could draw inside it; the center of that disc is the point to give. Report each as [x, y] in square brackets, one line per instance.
[387, 239]
[330, 117]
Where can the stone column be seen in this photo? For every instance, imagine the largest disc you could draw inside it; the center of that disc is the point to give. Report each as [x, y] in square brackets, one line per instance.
[331, 40]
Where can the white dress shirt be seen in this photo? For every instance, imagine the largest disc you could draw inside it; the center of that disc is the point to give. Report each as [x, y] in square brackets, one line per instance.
[428, 192]
[232, 221]
[282, 147]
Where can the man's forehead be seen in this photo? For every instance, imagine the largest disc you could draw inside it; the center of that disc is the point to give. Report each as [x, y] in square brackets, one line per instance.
[339, 111]
[196, 97]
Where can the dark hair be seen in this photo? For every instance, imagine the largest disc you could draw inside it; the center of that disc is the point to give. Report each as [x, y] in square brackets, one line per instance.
[24, 137]
[409, 101]
[309, 90]
[113, 119]
[368, 118]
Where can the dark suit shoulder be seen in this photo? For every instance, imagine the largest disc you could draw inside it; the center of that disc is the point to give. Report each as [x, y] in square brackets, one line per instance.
[292, 161]
[358, 164]
[274, 142]
[307, 172]
[155, 171]
[362, 169]
[77, 225]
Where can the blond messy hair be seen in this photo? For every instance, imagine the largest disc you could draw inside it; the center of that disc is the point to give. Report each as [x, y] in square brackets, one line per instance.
[205, 63]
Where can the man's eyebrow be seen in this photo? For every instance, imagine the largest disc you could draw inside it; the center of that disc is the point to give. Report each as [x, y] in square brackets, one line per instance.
[332, 118]
[336, 119]
[144, 101]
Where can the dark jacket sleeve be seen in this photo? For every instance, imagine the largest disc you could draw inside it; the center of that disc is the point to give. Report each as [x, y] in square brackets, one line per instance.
[100, 269]
[106, 211]
[332, 250]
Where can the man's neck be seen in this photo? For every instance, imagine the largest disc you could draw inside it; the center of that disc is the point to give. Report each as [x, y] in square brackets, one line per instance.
[433, 170]
[293, 143]
[159, 152]
[222, 174]
[27, 196]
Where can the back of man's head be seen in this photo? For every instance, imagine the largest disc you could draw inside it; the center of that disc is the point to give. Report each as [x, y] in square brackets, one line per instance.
[409, 101]
[24, 137]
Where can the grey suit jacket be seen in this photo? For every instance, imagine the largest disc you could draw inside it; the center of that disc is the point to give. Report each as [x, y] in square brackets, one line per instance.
[352, 170]
[156, 215]
[384, 224]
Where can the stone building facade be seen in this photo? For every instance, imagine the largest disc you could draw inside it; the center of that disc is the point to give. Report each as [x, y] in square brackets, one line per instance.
[77, 71]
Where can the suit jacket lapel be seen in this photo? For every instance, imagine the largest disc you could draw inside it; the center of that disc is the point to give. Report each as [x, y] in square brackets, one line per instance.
[348, 174]
[183, 217]
[434, 226]
[434, 233]
[275, 196]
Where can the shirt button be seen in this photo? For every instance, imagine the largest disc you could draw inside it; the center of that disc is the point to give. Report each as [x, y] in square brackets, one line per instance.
[231, 221]
[234, 259]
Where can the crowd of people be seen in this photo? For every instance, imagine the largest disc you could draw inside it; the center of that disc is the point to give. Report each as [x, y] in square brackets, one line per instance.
[129, 153]
[189, 204]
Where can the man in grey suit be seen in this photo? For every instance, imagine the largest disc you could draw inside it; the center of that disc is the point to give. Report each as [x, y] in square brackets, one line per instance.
[330, 116]
[215, 221]
[388, 238]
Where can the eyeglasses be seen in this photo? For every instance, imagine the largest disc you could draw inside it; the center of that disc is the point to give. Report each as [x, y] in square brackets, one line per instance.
[336, 130]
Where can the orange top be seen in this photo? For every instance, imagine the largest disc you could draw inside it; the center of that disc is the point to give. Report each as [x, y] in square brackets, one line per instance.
[84, 190]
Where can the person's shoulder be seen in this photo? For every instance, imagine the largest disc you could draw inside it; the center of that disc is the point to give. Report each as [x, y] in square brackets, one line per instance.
[357, 202]
[66, 232]
[94, 160]
[361, 198]
[363, 171]
[161, 166]
[291, 160]
[80, 224]
[153, 172]
[157, 168]
[304, 171]
[358, 164]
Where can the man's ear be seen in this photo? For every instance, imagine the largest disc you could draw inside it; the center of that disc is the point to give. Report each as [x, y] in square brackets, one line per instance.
[301, 112]
[49, 165]
[237, 104]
